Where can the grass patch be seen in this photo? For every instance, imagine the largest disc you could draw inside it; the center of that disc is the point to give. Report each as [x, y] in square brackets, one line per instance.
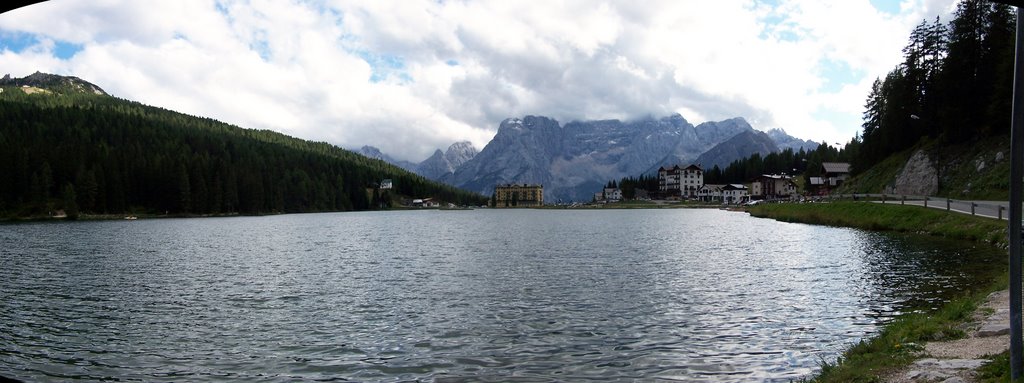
[997, 370]
[879, 177]
[899, 342]
[959, 176]
[890, 217]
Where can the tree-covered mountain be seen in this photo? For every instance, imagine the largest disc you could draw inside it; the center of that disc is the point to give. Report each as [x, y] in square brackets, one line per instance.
[939, 122]
[65, 144]
[954, 85]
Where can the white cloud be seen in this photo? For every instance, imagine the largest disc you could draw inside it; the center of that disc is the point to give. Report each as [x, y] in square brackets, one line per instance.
[412, 76]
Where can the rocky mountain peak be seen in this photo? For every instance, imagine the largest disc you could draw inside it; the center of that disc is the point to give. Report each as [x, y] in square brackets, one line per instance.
[54, 83]
[459, 153]
[371, 152]
[785, 141]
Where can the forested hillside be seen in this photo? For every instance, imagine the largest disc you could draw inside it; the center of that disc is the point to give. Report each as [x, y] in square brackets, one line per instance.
[953, 86]
[88, 152]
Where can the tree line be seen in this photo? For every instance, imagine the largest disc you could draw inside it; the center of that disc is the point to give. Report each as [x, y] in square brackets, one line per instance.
[954, 84]
[103, 155]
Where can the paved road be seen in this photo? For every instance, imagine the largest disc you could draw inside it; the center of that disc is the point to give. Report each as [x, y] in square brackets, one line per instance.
[982, 208]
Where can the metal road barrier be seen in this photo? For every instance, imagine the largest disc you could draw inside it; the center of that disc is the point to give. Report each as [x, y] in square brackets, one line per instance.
[991, 209]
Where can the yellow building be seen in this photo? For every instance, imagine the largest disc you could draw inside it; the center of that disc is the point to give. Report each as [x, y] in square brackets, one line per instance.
[510, 195]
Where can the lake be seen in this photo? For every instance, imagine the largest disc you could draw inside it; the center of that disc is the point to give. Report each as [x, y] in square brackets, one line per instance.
[482, 295]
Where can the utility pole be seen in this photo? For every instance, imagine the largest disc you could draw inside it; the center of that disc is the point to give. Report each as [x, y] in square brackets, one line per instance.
[1016, 179]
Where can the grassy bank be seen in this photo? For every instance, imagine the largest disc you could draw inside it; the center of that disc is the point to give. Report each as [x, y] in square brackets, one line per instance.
[898, 342]
[899, 218]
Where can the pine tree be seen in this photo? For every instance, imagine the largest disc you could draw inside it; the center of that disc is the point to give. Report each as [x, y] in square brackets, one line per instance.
[70, 204]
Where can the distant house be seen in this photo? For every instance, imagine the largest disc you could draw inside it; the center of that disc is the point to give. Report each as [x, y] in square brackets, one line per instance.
[386, 184]
[425, 202]
[680, 182]
[773, 186]
[710, 193]
[513, 195]
[835, 173]
[734, 193]
[612, 194]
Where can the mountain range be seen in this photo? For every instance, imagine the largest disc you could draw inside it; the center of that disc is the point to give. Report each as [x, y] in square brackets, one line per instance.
[576, 159]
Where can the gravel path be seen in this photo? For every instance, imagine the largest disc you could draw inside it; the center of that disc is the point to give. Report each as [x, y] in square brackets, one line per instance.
[956, 361]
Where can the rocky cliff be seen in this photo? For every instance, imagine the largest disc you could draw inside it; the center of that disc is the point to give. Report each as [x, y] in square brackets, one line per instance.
[918, 176]
[441, 165]
[785, 141]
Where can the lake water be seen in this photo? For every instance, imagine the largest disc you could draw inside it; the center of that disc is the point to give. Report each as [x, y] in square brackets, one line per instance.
[483, 295]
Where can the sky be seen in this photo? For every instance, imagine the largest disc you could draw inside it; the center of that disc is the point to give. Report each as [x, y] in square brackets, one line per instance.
[413, 76]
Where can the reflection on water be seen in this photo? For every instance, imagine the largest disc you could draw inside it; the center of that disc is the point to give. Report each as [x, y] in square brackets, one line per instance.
[463, 295]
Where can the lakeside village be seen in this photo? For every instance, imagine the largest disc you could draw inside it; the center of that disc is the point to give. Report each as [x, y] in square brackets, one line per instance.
[680, 184]
[687, 184]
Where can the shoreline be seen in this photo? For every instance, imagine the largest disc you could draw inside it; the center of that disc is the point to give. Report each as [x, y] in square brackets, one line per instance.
[904, 343]
[612, 206]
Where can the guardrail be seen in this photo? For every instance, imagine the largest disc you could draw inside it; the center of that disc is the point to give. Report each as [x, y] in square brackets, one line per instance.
[993, 209]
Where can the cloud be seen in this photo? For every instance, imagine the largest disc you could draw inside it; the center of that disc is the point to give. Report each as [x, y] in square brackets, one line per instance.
[411, 76]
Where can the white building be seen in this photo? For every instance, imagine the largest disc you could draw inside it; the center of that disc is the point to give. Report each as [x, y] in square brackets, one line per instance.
[683, 182]
[612, 194]
[773, 186]
[710, 193]
[734, 193]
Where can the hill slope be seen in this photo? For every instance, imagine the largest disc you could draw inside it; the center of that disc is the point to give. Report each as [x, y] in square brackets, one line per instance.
[71, 146]
[742, 145]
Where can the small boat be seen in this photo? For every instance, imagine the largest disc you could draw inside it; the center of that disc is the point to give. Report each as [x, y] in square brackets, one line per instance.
[131, 217]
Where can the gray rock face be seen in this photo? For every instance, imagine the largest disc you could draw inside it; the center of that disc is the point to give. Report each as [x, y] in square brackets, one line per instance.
[785, 141]
[742, 145]
[373, 152]
[918, 177]
[703, 137]
[440, 166]
[521, 151]
[460, 153]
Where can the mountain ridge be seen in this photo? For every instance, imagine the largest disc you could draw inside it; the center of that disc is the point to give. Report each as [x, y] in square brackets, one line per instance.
[574, 159]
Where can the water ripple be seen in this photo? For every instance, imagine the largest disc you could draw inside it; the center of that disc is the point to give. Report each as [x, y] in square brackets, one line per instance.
[490, 296]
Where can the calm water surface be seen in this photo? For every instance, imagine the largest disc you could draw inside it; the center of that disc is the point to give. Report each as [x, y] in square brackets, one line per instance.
[484, 295]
